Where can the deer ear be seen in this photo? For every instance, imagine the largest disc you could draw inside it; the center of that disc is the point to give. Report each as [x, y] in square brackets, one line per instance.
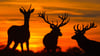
[21, 11]
[32, 10]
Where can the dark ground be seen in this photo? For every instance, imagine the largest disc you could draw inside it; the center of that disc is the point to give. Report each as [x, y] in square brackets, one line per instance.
[70, 52]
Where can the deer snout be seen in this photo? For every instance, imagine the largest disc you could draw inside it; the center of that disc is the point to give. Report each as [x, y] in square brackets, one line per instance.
[60, 34]
[73, 37]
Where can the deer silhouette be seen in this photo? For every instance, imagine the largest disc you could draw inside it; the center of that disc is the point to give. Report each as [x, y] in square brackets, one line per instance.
[50, 39]
[20, 34]
[89, 46]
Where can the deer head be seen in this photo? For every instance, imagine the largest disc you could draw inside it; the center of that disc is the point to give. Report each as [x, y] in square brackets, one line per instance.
[55, 28]
[26, 13]
[79, 33]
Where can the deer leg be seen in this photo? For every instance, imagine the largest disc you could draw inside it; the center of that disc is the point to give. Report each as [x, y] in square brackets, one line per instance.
[16, 43]
[48, 50]
[54, 50]
[9, 42]
[27, 44]
[22, 46]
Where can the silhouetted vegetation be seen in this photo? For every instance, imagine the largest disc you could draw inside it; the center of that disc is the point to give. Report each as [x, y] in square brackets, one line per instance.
[70, 52]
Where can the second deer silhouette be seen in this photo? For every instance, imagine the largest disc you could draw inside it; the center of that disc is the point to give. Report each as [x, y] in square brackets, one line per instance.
[89, 46]
[20, 34]
[50, 39]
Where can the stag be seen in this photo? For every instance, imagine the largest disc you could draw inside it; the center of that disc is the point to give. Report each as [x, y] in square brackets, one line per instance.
[50, 40]
[89, 46]
[20, 34]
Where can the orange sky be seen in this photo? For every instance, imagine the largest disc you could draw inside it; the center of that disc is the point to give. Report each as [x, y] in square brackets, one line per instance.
[82, 12]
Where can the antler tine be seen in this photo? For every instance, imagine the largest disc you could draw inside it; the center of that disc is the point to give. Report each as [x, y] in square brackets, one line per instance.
[66, 22]
[42, 15]
[74, 28]
[63, 18]
[29, 7]
[86, 27]
[77, 26]
[83, 27]
[22, 8]
[57, 23]
[52, 21]
[39, 14]
[92, 25]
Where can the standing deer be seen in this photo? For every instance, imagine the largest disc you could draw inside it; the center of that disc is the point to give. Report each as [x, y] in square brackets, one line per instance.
[89, 46]
[50, 39]
[20, 34]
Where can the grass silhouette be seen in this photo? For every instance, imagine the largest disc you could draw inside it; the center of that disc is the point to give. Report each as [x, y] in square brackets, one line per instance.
[70, 52]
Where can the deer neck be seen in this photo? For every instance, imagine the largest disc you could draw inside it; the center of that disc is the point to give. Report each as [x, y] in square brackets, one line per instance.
[53, 33]
[82, 42]
[26, 23]
[82, 39]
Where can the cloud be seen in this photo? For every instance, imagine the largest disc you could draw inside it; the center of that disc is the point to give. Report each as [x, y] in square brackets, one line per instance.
[82, 1]
[86, 1]
[86, 13]
[4, 0]
[20, 0]
[12, 19]
[74, 8]
[15, 19]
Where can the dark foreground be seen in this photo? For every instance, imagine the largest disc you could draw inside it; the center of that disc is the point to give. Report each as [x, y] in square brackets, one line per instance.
[70, 52]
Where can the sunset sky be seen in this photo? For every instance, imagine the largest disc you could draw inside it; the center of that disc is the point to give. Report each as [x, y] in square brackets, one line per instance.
[80, 12]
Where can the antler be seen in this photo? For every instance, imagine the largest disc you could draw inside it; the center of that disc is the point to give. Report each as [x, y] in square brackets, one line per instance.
[77, 27]
[92, 25]
[42, 15]
[23, 8]
[29, 8]
[63, 18]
